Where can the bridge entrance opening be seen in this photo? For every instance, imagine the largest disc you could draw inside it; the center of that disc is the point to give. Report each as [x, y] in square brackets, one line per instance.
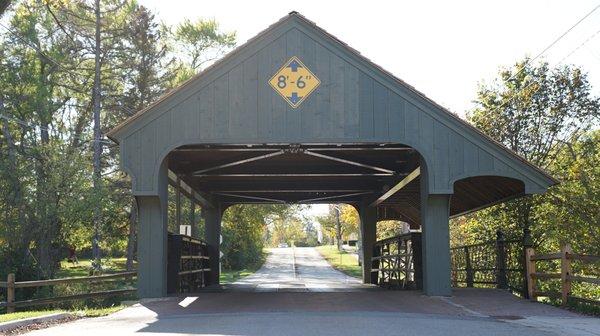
[343, 131]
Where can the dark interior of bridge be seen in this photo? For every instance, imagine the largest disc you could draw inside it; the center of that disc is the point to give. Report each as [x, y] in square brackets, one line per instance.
[385, 175]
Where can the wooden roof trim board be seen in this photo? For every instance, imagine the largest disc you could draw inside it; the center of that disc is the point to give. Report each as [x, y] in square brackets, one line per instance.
[112, 133]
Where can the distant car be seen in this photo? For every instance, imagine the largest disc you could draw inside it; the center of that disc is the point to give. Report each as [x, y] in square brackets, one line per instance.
[282, 245]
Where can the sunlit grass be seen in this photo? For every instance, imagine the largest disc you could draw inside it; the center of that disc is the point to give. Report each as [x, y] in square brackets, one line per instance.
[27, 314]
[342, 261]
[97, 312]
[109, 265]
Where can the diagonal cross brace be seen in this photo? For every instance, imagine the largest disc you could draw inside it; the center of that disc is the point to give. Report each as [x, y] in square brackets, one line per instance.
[413, 175]
[349, 162]
[239, 162]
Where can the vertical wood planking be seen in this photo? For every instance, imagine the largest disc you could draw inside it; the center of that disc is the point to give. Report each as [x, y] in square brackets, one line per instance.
[471, 163]
[163, 132]
[265, 71]
[148, 160]
[380, 111]
[351, 116]
[365, 105]
[134, 152]
[440, 153]
[425, 129]
[411, 124]
[278, 105]
[322, 94]
[292, 115]
[308, 107]
[396, 118]
[486, 161]
[235, 84]
[191, 108]
[221, 99]
[456, 156]
[336, 87]
[206, 118]
[250, 99]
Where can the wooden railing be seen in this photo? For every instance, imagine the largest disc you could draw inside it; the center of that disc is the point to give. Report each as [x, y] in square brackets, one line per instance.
[396, 262]
[187, 265]
[566, 276]
[11, 285]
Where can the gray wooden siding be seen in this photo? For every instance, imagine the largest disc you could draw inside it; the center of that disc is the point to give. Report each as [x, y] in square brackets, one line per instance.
[350, 105]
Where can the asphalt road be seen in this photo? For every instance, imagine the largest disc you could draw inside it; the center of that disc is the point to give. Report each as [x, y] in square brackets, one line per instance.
[297, 269]
[298, 293]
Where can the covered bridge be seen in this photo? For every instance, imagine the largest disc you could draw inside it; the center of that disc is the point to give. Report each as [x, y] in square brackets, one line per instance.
[296, 115]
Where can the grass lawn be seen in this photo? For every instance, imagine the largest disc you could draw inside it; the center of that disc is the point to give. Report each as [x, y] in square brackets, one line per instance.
[229, 276]
[342, 261]
[87, 312]
[68, 269]
[26, 314]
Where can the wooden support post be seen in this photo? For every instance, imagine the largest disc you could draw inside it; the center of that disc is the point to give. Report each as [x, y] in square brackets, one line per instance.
[178, 204]
[529, 271]
[10, 293]
[565, 273]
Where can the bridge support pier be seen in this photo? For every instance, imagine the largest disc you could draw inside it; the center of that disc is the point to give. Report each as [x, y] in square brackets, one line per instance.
[368, 231]
[435, 240]
[152, 240]
[212, 227]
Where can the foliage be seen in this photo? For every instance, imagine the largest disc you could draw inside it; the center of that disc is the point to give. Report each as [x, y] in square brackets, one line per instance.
[545, 115]
[341, 260]
[349, 222]
[292, 228]
[244, 228]
[47, 59]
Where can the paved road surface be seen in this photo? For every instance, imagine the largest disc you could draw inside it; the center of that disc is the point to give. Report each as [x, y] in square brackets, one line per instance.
[300, 269]
[317, 300]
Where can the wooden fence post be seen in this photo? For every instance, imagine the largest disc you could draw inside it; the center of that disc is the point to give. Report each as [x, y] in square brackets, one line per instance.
[10, 293]
[469, 268]
[501, 279]
[527, 243]
[565, 273]
[529, 270]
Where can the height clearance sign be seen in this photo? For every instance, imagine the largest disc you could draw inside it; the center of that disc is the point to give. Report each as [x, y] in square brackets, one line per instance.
[294, 82]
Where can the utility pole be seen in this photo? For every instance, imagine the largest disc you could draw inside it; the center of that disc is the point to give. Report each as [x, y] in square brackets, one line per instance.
[97, 174]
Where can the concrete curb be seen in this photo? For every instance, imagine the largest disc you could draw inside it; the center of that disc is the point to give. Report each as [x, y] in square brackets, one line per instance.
[11, 325]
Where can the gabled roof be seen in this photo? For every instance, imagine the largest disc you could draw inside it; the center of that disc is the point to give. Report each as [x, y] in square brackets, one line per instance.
[295, 15]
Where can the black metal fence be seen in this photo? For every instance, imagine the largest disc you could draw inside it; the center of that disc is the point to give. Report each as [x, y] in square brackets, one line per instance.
[397, 262]
[499, 263]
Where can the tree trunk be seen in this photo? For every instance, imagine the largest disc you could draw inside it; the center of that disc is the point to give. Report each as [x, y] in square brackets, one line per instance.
[97, 178]
[338, 229]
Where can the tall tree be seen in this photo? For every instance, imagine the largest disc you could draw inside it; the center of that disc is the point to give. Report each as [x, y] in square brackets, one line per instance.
[535, 110]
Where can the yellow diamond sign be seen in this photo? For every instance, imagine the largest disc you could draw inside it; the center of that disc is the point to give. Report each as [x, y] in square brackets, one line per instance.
[294, 82]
